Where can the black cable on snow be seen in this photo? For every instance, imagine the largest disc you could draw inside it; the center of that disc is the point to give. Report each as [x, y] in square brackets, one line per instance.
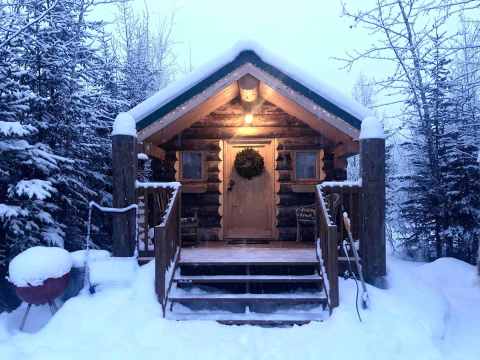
[354, 278]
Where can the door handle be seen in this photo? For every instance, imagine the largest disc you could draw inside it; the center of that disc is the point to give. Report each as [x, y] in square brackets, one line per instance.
[231, 183]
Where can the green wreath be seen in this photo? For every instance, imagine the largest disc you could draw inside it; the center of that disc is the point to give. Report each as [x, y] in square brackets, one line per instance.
[249, 163]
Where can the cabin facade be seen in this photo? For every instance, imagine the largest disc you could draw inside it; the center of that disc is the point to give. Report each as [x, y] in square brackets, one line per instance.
[239, 176]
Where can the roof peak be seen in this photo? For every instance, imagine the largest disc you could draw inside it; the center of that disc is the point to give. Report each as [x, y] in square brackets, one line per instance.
[240, 53]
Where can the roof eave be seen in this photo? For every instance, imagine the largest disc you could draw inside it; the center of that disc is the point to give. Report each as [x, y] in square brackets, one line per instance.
[248, 56]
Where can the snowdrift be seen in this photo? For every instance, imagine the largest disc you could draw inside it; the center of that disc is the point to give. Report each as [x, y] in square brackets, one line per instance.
[411, 320]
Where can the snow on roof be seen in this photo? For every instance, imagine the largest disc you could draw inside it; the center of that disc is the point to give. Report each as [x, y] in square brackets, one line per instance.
[175, 89]
[37, 264]
[372, 128]
[124, 124]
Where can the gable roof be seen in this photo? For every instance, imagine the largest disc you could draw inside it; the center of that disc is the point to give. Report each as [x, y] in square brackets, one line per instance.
[171, 97]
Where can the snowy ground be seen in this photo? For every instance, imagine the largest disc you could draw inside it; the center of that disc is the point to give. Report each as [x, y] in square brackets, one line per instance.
[430, 312]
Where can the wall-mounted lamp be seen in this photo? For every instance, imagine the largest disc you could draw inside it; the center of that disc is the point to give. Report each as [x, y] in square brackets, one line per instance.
[248, 118]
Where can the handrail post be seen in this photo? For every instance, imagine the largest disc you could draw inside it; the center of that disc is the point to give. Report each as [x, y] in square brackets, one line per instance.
[372, 167]
[332, 265]
[179, 220]
[124, 172]
[160, 265]
[146, 219]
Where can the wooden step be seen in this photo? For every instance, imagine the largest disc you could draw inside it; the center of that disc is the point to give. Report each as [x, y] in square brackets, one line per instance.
[252, 318]
[272, 254]
[248, 279]
[290, 298]
[258, 262]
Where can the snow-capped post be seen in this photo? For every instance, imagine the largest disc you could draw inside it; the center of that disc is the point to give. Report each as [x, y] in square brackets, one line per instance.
[372, 170]
[124, 164]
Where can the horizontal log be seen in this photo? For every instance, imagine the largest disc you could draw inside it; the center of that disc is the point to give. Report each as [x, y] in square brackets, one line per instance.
[208, 211]
[284, 176]
[247, 131]
[235, 107]
[314, 139]
[286, 220]
[194, 188]
[286, 211]
[214, 188]
[239, 120]
[285, 189]
[213, 166]
[213, 157]
[192, 145]
[199, 200]
[284, 167]
[303, 188]
[302, 146]
[296, 199]
[170, 155]
[346, 149]
[213, 178]
[213, 221]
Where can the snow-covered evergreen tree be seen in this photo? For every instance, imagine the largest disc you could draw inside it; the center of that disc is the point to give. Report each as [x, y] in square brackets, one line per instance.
[72, 105]
[461, 184]
[28, 168]
[422, 207]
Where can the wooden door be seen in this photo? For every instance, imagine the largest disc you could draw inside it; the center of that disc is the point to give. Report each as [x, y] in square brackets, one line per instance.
[249, 204]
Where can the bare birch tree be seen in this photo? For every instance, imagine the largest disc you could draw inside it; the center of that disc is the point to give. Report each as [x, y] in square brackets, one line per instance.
[145, 52]
[412, 37]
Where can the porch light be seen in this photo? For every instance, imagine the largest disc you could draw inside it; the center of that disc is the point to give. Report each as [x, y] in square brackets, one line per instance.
[248, 118]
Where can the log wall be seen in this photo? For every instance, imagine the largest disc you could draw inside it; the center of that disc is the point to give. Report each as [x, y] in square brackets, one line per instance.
[270, 122]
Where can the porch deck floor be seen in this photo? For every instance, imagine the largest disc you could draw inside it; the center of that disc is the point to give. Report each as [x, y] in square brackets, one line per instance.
[272, 253]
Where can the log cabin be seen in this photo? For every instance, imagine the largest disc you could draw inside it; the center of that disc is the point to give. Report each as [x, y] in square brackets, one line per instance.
[239, 175]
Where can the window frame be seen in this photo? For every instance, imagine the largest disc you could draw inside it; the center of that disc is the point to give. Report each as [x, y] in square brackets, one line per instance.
[203, 169]
[317, 166]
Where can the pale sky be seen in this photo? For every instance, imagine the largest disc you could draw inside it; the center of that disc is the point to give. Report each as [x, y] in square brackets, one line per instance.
[308, 33]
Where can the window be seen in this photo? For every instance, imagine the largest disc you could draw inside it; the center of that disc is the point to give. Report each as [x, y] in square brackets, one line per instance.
[305, 165]
[191, 163]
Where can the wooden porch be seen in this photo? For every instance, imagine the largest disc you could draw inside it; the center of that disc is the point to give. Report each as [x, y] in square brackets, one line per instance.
[271, 282]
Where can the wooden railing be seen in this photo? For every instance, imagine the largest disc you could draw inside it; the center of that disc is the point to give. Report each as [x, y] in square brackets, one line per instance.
[344, 196]
[326, 245]
[167, 247]
[152, 200]
[332, 199]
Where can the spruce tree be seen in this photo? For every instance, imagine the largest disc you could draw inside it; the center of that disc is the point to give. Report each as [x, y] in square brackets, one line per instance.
[461, 185]
[423, 201]
[72, 105]
[28, 167]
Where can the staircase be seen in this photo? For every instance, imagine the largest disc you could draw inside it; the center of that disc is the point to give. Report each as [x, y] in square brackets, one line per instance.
[245, 290]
